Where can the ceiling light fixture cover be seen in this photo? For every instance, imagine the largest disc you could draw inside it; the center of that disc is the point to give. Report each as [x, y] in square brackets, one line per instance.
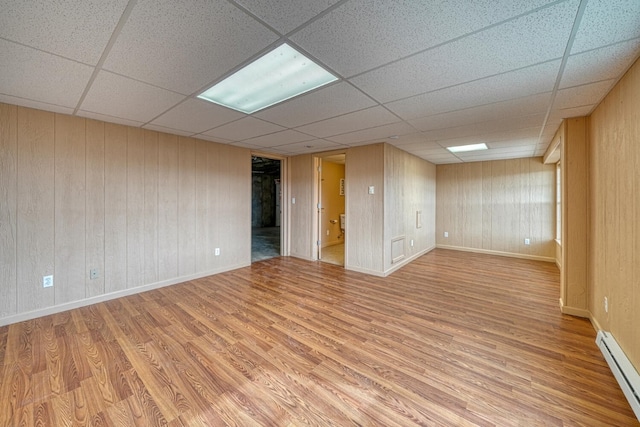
[274, 77]
[470, 147]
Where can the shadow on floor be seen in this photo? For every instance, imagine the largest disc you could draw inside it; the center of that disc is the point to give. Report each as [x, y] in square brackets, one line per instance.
[265, 243]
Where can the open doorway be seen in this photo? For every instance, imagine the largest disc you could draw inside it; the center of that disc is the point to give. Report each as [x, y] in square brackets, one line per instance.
[266, 210]
[331, 209]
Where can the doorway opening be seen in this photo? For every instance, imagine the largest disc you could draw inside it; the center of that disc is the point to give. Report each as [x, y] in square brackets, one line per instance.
[331, 209]
[266, 209]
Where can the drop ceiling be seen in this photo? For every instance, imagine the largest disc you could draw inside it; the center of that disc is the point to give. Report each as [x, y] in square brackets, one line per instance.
[420, 75]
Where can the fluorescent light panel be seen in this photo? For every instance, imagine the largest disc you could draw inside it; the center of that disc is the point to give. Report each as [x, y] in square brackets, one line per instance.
[274, 77]
[470, 147]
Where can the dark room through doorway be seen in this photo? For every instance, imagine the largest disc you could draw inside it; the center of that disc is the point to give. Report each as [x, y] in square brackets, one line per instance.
[266, 212]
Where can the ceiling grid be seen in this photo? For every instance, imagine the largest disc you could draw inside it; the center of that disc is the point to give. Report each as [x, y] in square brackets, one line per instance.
[422, 76]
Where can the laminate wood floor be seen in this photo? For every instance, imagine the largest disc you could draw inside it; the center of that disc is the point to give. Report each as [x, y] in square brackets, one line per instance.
[453, 339]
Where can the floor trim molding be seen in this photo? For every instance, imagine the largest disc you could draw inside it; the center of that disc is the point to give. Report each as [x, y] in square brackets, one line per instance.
[499, 253]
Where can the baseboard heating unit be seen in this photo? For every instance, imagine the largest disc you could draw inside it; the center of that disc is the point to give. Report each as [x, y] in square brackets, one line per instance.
[622, 369]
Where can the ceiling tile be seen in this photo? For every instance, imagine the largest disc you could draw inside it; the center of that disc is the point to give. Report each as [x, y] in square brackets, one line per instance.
[313, 146]
[110, 119]
[605, 22]
[286, 15]
[504, 138]
[600, 64]
[359, 120]
[195, 116]
[363, 34]
[7, 99]
[76, 29]
[532, 39]
[497, 154]
[278, 139]
[378, 133]
[488, 127]
[202, 41]
[248, 127]
[515, 84]
[119, 96]
[330, 101]
[528, 105]
[167, 130]
[565, 113]
[579, 96]
[35, 75]
[213, 139]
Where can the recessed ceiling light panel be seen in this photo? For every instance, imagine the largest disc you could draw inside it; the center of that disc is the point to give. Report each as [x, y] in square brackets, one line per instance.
[470, 147]
[274, 77]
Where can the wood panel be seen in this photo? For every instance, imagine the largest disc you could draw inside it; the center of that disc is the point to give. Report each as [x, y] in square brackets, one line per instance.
[135, 207]
[494, 206]
[318, 345]
[202, 204]
[115, 202]
[70, 203]
[168, 206]
[235, 203]
[614, 234]
[8, 208]
[214, 186]
[364, 243]
[95, 209]
[301, 181]
[575, 178]
[186, 206]
[35, 225]
[151, 207]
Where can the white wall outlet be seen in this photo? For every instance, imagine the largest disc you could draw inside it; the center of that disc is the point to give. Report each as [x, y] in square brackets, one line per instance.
[446, 234]
[372, 189]
[327, 232]
[47, 281]
[527, 241]
[94, 273]
[293, 200]
[217, 252]
[411, 242]
[606, 305]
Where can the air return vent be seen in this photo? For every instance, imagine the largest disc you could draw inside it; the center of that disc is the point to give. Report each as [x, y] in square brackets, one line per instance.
[622, 369]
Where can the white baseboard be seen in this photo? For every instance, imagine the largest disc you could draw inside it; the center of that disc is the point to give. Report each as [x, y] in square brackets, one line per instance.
[21, 317]
[499, 253]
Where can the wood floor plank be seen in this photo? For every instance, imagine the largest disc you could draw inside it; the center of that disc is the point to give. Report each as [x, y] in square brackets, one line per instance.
[452, 339]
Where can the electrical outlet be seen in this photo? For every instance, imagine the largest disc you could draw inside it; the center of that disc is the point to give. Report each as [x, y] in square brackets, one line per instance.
[293, 200]
[411, 242]
[217, 251]
[327, 232]
[446, 234]
[606, 305]
[527, 241]
[94, 273]
[372, 189]
[47, 281]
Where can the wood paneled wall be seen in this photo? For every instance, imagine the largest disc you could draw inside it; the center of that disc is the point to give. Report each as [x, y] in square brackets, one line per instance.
[575, 216]
[365, 220]
[409, 207]
[302, 211]
[493, 206]
[141, 207]
[614, 204]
